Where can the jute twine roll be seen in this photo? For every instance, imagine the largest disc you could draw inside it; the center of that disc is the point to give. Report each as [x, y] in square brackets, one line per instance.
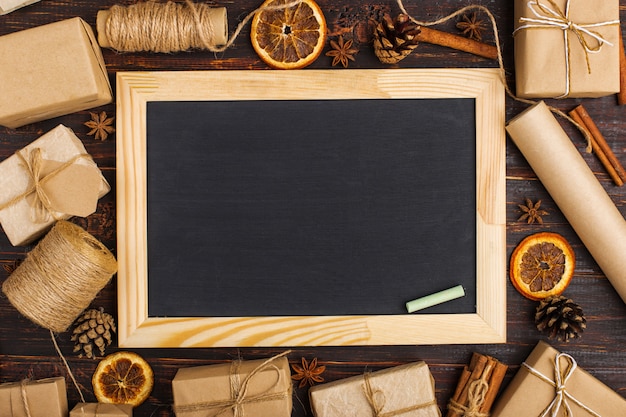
[60, 277]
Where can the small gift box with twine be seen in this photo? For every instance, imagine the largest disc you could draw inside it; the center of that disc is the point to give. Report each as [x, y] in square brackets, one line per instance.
[7, 6]
[406, 390]
[42, 398]
[102, 410]
[566, 48]
[49, 71]
[255, 388]
[52, 178]
[550, 383]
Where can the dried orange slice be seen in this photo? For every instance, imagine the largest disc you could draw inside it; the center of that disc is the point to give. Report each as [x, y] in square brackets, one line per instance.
[123, 378]
[288, 37]
[542, 265]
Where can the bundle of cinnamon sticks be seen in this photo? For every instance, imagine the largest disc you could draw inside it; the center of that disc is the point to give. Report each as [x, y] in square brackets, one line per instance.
[482, 369]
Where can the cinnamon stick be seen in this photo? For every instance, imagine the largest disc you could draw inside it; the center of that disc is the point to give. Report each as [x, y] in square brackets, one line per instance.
[497, 376]
[600, 146]
[621, 96]
[484, 368]
[460, 43]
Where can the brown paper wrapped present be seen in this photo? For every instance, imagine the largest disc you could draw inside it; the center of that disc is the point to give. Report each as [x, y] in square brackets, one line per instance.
[68, 183]
[49, 71]
[406, 390]
[566, 48]
[256, 388]
[7, 6]
[42, 398]
[102, 410]
[551, 383]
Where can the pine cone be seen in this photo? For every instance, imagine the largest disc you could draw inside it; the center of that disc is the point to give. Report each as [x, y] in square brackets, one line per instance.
[560, 318]
[394, 41]
[92, 332]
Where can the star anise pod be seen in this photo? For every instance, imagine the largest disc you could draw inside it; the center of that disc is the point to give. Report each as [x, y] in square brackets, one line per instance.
[471, 26]
[342, 52]
[532, 212]
[100, 125]
[308, 373]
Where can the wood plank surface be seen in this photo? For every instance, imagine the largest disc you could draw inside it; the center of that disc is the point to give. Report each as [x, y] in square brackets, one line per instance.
[26, 350]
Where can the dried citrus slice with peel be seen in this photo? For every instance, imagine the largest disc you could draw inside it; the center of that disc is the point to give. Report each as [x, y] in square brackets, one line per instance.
[123, 378]
[542, 265]
[286, 35]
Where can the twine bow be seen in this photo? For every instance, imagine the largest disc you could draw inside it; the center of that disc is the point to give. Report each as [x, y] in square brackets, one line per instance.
[376, 398]
[476, 398]
[562, 397]
[554, 17]
[239, 391]
[34, 164]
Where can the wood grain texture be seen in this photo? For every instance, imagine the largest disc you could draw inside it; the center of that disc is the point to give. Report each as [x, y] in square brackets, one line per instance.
[26, 350]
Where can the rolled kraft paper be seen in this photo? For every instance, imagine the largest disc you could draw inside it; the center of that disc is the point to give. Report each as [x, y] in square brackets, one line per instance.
[60, 277]
[574, 188]
[216, 18]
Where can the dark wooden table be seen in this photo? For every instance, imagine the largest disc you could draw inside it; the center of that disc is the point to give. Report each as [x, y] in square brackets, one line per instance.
[26, 350]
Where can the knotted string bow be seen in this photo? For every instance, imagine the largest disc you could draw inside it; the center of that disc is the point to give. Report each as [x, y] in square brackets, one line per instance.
[376, 398]
[562, 397]
[554, 17]
[239, 391]
[34, 165]
[475, 397]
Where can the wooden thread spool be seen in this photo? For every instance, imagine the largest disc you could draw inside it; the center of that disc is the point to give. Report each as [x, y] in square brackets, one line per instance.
[162, 27]
[60, 277]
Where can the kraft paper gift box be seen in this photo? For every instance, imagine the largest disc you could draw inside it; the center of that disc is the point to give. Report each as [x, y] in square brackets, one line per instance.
[44, 398]
[102, 410]
[533, 389]
[259, 388]
[408, 390]
[49, 71]
[7, 6]
[69, 181]
[550, 56]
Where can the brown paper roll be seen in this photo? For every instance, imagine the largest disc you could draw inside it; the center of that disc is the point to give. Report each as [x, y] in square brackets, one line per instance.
[574, 188]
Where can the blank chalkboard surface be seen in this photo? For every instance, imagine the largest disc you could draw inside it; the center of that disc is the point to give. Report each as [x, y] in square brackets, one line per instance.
[309, 207]
[304, 208]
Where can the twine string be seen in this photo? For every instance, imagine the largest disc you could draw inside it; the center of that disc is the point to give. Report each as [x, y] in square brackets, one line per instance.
[562, 397]
[171, 27]
[34, 164]
[60, 277]
[23, 396]
[496, 36]
[377, 399]
[67, 366]
[476, 398]
[554, 17]
[239, 391]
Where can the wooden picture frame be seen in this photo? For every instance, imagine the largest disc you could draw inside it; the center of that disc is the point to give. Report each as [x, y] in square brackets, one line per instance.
[138, 329]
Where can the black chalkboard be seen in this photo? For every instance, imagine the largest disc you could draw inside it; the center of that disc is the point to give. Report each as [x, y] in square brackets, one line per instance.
[312, 207]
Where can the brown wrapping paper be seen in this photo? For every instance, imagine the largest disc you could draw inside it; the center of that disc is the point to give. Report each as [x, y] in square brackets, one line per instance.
[206, 391]
[7, 6]
[549, 65]
[532, 391]
[44, 398]
[407, 389]
[50, 71]
[73, 189]
[102, 410]
[574, 188]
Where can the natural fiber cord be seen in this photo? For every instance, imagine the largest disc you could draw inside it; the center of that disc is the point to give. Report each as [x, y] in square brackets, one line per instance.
[60, 277]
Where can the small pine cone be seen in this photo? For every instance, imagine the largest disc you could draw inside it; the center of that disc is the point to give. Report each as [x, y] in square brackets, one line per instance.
[560, 318]
[92, 332]
[395, 40]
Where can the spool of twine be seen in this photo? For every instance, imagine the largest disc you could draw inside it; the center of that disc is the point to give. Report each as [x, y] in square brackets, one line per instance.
[162, 27]
[60, 277]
